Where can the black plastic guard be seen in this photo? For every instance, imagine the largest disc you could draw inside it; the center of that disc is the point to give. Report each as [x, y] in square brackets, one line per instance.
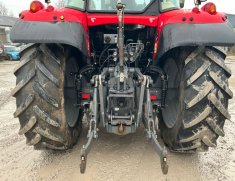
[45, 32]
[176, 35]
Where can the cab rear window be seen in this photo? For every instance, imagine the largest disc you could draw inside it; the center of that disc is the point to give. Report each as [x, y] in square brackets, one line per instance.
[110, 5]
[169, 4]
[78, 4]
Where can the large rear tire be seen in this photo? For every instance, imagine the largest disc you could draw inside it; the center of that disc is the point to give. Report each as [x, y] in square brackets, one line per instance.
[198, 107]
[45, 97]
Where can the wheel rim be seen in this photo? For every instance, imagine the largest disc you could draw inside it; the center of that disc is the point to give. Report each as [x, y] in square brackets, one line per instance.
[172, 100]
[70, 101]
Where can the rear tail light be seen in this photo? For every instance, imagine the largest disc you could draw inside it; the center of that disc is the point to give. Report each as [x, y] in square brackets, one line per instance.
[153, 98]
[36, 6]
[85, 96]
[210, 8]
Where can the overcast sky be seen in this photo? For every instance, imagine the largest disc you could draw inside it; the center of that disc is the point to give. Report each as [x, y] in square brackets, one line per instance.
[16, 6]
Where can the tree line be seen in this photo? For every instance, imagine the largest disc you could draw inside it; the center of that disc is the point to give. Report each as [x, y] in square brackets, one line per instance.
[4, 11]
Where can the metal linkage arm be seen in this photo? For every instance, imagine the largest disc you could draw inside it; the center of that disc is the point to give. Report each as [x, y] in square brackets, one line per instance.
[141, 100]
[92, 133]
[162, 152]
[151, 132]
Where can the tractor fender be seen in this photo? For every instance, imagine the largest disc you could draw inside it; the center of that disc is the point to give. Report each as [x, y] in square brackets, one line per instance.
[180, 34]
[69, 33]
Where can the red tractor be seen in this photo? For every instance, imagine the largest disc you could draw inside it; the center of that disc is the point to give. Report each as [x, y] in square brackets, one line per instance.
[123, 64]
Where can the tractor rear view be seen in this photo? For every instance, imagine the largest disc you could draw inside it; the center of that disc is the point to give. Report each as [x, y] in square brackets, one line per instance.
[123, 64]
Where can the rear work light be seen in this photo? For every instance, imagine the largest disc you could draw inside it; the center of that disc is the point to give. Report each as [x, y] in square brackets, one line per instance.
[36, 6]
[210, 8]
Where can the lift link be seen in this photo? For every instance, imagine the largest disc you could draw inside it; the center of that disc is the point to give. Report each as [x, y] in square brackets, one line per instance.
[93, 122]
[101, 98]
[151, 132]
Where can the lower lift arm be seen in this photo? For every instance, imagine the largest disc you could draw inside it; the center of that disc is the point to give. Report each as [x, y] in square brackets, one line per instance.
[151, 130]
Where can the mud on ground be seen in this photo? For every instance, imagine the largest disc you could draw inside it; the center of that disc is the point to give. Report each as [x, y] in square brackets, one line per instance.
[112, 158]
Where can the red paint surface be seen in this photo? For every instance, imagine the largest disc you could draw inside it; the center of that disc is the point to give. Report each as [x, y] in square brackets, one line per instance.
[72, 15]
[102, 19]
[89, 20]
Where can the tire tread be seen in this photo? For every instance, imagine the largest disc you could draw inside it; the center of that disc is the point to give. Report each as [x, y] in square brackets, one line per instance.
[39, 99]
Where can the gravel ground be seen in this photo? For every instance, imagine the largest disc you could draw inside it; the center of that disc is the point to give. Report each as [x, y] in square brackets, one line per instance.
[111, 158]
